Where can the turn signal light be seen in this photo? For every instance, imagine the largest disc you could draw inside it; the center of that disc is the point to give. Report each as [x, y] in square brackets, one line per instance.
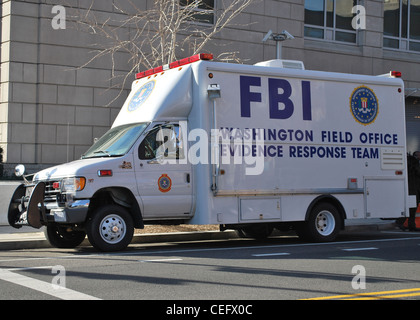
[105, 173]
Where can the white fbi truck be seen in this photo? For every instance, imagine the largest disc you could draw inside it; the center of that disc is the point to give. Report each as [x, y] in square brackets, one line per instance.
[250, 148]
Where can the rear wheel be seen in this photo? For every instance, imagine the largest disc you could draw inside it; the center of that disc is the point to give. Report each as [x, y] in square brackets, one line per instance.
[110, 228]
[323, 224]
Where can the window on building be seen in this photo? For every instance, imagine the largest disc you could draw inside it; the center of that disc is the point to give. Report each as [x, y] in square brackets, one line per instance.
[330, 20]
[402, 24]
[203, 10]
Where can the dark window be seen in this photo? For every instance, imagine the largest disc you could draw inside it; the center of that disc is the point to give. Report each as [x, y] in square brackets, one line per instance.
[402, 24]
[330, 20]
[162, 142]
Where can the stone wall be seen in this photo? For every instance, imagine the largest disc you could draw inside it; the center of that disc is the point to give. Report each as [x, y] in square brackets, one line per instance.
[51, 109]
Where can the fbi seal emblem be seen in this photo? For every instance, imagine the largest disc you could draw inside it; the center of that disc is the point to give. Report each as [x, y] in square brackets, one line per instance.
[141, 95]
[164, 183]
[364, 105]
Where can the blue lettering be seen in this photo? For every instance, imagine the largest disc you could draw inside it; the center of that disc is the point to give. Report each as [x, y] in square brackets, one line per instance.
[277, 98]
[306, 100]
[223, 150]
[271, 153]
[378, 138]
[234, 150]
[336, 136]
[319, 152]
[365, 153]
[247, 96]
[279, 92]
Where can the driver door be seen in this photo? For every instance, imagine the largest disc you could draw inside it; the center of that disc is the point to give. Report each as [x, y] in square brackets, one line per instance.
[163, 175]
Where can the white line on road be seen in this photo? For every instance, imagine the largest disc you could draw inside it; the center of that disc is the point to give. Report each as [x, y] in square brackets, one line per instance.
[161, 260]
[360, 249]
[42, 286]
[271, 254]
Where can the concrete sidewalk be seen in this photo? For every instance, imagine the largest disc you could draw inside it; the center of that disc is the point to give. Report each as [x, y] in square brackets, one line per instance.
[29, 238]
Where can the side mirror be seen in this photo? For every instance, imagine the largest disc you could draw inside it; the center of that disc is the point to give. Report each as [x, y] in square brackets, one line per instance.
[19, 170]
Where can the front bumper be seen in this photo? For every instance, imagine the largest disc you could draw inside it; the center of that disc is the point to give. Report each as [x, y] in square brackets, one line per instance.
[35, 205]
[74, 212]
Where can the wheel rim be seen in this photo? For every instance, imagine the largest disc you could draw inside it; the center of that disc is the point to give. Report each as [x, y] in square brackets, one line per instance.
[112, 229]
[325, 223]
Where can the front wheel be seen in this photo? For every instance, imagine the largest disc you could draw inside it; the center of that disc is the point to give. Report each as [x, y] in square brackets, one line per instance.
[323, 224]
[111, 228]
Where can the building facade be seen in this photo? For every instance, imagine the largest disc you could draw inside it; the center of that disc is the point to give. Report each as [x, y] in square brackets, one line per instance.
[52, 109]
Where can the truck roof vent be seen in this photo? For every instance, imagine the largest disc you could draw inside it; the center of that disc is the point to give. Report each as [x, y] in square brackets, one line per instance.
[277, 63]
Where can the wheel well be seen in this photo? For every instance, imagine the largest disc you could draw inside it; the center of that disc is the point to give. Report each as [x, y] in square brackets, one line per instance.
[120, 196]
[331, 200]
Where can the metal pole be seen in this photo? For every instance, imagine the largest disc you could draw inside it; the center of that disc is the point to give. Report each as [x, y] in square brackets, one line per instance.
[278, 49]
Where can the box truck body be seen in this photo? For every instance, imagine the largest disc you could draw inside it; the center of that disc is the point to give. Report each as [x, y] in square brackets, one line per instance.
[250, 148]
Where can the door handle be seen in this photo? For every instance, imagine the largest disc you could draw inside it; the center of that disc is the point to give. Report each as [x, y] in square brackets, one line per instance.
[187, 178]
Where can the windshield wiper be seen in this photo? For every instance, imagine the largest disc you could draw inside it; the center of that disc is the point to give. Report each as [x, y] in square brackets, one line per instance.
[102, 151]
[100, 154]
[97, 154]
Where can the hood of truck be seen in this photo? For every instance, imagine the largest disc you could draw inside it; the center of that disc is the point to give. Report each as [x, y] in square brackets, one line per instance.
[83, 167]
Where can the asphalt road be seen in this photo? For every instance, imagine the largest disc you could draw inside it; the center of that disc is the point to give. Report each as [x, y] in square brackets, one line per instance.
[382, 264]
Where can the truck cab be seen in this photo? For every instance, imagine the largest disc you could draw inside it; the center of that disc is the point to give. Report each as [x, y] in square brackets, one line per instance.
[110, 190]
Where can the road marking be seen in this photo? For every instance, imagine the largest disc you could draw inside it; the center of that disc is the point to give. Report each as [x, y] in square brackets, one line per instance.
[403, 293]
[393, 296]
[271, 254]
[161, 260]
[256, 247]
[360, 249]
[42, 286]
[134, 253]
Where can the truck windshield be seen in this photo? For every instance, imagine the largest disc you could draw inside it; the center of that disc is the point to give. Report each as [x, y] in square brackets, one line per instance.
[116, 142]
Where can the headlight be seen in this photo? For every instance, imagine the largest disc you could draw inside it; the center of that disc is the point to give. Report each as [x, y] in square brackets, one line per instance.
[73, 184]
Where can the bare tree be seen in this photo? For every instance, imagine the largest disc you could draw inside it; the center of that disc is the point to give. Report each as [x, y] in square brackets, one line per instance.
[160, 31]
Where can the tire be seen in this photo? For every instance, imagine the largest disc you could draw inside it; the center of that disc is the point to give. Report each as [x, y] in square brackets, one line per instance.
[61, 237]
[111, 228]
[323, 224]
[258, 232]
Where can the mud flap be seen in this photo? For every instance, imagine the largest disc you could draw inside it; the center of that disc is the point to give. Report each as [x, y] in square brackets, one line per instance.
[19, 214]
[36, 206]
[17, 207]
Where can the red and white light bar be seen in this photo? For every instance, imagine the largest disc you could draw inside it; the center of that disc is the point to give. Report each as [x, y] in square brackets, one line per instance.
[395, 74]
[175, 64]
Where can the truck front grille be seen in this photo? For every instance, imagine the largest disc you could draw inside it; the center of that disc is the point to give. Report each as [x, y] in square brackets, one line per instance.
[50, 192]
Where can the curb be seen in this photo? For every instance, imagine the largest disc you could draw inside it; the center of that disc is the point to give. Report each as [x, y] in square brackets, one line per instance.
[370, 227]
[38, 240]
